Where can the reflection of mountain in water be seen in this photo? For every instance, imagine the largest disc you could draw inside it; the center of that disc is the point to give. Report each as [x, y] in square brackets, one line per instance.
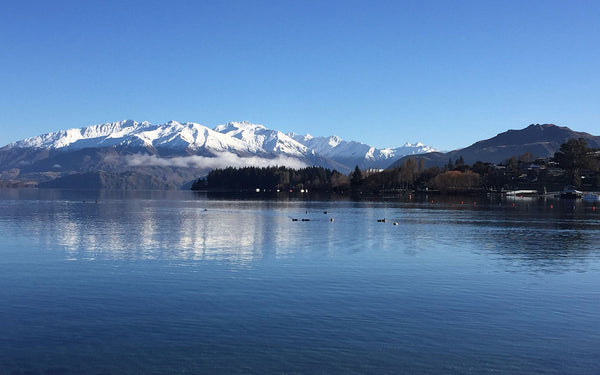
[181, 226]
[162, 232]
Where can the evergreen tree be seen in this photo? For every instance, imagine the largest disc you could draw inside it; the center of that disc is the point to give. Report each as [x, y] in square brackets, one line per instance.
[199, 184]
[356, 177]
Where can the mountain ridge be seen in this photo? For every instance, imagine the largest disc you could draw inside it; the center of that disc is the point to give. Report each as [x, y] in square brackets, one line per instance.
[189, 147]
[178, 153]
[539, 140]
[357, 153]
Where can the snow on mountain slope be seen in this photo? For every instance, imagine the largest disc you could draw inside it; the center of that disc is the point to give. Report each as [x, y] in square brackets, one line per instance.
[243, 139]
[358, 153]
[257, 138]
[102, 135]
[233, 137]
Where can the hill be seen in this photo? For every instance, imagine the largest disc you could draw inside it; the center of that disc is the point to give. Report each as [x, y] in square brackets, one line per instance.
[539, 140]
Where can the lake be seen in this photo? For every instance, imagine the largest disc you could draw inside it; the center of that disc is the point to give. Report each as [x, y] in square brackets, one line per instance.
[177, 282]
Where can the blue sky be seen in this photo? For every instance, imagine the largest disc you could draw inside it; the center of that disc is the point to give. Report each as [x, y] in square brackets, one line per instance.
[445, 73]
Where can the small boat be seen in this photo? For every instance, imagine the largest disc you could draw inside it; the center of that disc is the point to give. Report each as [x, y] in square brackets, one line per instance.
[522, 193]
[570, 193]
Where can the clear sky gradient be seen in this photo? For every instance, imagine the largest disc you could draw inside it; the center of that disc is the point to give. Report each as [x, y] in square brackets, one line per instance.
[445, 73]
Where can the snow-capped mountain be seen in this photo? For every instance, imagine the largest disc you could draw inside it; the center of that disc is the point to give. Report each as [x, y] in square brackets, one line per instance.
[237, 137]
[257, 138]
[357, 153]
[188, 147]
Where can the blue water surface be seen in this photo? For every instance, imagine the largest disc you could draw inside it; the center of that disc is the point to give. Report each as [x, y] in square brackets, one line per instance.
[176, 282]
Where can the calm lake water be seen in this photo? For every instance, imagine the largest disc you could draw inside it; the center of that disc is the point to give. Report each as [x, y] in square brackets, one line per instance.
[172, 282]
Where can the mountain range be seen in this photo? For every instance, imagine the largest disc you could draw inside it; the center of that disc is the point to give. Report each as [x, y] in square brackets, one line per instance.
[177, 153]
[134, 155]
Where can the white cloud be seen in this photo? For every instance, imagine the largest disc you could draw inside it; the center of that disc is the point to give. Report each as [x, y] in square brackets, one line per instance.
[222, 160]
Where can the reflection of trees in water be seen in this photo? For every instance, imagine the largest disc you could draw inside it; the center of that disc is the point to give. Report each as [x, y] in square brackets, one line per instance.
[529, 236]
[547, 247]
[547, 241]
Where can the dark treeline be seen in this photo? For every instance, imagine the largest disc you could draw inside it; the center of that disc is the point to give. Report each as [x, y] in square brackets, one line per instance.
[273, 178]
[574, 164]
